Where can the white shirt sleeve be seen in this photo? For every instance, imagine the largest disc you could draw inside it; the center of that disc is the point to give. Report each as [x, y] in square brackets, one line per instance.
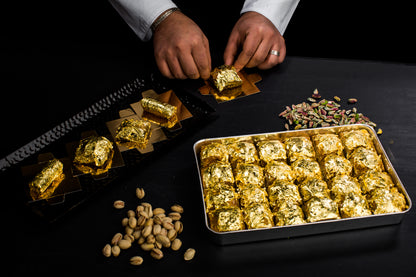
[140, 14]
[278, 12]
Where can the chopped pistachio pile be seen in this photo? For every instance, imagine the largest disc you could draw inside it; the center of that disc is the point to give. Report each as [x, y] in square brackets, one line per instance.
[313, 114]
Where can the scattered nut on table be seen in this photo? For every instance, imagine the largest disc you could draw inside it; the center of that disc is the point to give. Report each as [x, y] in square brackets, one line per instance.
[136, 260]
[151, 228]
[189, 254]
[119, 204]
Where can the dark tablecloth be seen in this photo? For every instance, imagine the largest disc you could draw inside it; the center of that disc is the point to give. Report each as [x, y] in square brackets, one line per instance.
[386, 93]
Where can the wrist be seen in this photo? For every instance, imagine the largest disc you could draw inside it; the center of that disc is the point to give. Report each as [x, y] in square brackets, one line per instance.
[162, 17]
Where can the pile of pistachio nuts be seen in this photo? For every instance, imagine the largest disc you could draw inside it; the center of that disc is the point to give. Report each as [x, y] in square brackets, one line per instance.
[153, 229]
[319, 112]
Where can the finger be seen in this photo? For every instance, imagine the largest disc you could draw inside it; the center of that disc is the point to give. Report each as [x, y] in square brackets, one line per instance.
[164, 68]
[231, 50]
[282, 53]
[273, 60]
[202, 58]
[249, 48]
[189, 68]
[260, 56]
[175, 68]
[270, 61]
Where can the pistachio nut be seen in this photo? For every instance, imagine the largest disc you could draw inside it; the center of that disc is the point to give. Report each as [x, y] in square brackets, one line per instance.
[189, 254]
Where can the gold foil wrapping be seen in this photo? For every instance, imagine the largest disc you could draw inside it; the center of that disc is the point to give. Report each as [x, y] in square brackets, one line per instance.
[133, 133]
[226, 219]
[213, 152]
[217, 173]
[375, 180]
[258, 216]
[282, 191]
[333, 165]
[45, 182]
[94, 155]
[225, 77]
[280, 171]
[354, 139]
[305, 168]
[383, 201]
[270, 151]
[289, 213]
[299, 147]
[313, 187]
[354, 205]
[326, 144]
[342, 185]
[221, 197]
[164, 114]
[253, 194]
[243, 152]
[364, 160]
[248, 174]
[318, 209]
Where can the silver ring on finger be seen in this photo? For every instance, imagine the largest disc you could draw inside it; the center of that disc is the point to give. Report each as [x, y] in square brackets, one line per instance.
[274, 52]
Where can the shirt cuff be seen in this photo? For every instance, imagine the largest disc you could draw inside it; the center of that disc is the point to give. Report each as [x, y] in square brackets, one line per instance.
[140, 14]
[279, 12]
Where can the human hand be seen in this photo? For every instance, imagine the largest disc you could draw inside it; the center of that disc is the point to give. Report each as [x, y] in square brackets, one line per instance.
[181, 48]
[256, 36]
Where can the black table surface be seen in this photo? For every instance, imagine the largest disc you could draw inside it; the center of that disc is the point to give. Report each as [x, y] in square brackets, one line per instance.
[386, 93]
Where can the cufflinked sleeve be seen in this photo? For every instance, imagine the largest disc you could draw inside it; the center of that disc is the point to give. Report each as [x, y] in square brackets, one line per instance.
[140, 14]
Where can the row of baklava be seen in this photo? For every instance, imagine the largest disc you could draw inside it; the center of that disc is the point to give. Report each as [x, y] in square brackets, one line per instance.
[94, 154]
[263, 183]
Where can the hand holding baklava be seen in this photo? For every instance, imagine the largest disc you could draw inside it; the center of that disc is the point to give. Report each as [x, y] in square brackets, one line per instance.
[181, 48]
[260, 42]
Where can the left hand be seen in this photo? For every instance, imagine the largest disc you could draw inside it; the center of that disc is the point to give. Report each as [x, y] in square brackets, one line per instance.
[256, 36]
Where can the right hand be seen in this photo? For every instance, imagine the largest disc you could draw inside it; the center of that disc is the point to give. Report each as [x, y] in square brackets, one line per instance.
[181, 48]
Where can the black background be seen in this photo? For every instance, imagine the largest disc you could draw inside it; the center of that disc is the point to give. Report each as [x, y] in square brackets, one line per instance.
[59, 58]
[80, 51]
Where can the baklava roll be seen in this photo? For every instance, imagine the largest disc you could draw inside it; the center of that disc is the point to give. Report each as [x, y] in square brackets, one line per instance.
[242, 152]
[364, 160]
[271, 150]
[354, 205]
[382, 201]
[45, 182]
[313, 187]
[213, 152]
[333, 165]
[299, 147]
[226, 219]
[94, 155]
[354, 139]
[224, 196]
[278, 171]
[342, 185]
[326, 144]
[252, 194]
[282, 191]
[133, 133]
[288, 213]
[248, 174]
[305, 168]
[217, 173]
[374, 180]
[164, 114]
[318, 209]
[258, 216]
[225, 77]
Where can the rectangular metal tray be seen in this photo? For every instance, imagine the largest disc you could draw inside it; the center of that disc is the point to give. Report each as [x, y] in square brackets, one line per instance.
[251, 235]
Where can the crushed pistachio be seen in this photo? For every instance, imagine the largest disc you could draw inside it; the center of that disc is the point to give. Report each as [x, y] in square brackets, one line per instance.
[323, 114]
